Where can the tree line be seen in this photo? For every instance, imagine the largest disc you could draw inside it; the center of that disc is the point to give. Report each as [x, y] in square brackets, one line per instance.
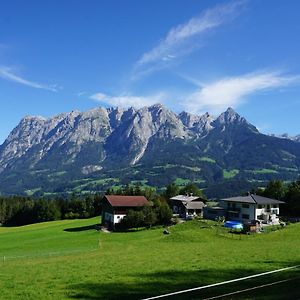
[287, 192]
[16, 211]
[19, 210]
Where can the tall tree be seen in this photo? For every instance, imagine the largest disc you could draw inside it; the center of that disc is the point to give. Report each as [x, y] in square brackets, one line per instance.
[275, 189]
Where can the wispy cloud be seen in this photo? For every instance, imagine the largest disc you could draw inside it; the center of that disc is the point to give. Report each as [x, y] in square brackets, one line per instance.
[180, 40]
[8, 74]
[217, 96]
[126, 100]
[80, 94]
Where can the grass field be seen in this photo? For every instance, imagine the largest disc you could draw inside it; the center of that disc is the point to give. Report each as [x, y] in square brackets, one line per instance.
[71, 260]
[227, 174]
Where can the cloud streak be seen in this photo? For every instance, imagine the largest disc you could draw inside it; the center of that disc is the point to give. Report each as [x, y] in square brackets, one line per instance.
[8, 74]
[126, 100]
[232, 91]
[178, 41]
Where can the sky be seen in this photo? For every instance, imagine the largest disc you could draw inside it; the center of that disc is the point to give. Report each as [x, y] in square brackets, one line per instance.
[192, 55]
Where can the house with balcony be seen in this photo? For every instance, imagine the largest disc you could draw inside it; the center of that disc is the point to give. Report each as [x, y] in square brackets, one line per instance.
[187, 206]
[252, 207]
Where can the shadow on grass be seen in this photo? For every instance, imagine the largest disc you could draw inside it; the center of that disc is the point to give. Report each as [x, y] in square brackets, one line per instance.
[142, 286]
[83, 228]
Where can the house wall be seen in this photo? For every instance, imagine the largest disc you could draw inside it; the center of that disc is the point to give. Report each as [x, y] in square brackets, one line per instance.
[268, 213]
[267, 210]
[108, 217]
[212, 214]
[244, 212]
[179, 208]
[118, 218]
[107, 213]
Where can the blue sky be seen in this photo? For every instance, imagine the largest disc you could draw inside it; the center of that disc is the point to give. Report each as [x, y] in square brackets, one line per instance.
[58, 56]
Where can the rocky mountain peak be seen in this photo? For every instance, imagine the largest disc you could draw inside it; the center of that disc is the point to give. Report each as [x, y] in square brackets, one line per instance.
[229, 116]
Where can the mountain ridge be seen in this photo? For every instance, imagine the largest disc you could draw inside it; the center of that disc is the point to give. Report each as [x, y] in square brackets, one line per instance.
[115, 146]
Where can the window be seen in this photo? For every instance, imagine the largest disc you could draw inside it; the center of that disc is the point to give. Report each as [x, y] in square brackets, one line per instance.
[245, 205]
[244, 216]
[233, 215]
[260, 206]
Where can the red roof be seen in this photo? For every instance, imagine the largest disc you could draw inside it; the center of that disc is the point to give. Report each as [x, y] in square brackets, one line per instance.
[130, 201]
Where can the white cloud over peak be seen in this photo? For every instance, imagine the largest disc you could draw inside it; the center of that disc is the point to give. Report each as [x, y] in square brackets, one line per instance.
[8, 74]
[126, 100]
[232, 91]
[178, 40]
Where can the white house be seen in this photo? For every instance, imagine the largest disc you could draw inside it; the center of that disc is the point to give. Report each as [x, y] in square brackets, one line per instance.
[252, 207]
[115, 208]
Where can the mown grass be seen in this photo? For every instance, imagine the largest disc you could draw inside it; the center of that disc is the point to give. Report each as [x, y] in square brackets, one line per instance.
[72, 260]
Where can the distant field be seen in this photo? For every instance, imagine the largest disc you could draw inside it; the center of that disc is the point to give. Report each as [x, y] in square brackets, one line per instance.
[230, 173]
[263, 171]
[71, 260]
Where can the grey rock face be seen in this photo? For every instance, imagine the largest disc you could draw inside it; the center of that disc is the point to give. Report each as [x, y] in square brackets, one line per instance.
[102, 135]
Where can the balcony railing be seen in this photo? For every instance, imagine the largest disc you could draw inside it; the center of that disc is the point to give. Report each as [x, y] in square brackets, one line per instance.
[234, 209]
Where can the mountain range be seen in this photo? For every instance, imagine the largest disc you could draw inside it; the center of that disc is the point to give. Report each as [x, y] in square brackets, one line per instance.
[83, 152]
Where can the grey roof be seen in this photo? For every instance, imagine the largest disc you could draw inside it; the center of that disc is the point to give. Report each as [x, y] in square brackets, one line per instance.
[185, 198]
[194, 205]
[254, 199]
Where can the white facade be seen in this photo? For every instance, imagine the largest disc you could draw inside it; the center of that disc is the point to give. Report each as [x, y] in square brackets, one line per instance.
[118, 218]
[247, 212]
[112, 218]
[268, 213]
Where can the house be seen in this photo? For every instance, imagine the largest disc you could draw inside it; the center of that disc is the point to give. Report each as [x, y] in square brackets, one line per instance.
[116, 207]
[247, 209]
[187, 206]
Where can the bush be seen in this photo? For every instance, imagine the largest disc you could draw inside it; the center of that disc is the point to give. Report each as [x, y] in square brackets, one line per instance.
[159, 213]
[133, 219]
[164, 214]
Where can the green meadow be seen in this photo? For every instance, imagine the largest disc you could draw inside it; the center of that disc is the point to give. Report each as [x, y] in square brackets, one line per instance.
[72, 260]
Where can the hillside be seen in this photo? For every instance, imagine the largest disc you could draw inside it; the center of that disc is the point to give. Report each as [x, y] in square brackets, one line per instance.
[71, 260]
[91, 151]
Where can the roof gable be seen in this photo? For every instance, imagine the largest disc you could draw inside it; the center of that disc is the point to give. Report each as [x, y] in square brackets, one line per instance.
[264, 200]
[128, 201]
[186, 198]
[194, 205]
[253, 199]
